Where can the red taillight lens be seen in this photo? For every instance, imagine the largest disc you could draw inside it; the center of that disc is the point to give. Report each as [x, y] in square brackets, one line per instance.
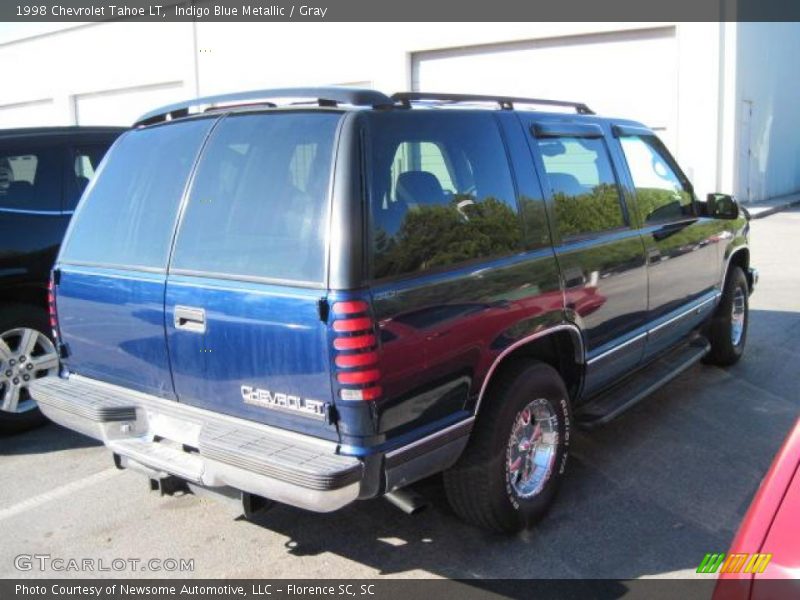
[350, 325]
[350, 307]
[356, 355]
[348, 361]
[356, 377]
[354, 343]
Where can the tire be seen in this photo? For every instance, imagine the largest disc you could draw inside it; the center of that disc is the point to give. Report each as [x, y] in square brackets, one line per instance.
[15, 321]
[479, 486]
[728, 337]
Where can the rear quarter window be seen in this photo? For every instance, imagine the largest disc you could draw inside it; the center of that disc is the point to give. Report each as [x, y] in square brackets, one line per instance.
[441, 192]
[260, 201]
[128, 214]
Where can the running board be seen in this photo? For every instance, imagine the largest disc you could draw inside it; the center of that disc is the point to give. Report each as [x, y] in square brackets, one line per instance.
[630, 391]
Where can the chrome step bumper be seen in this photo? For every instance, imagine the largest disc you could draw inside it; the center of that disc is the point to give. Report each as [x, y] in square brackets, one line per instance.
[163, 437]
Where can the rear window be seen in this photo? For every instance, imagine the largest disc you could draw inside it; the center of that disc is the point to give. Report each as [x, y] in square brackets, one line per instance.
[259, 204]
[30, 179]
[128, 215]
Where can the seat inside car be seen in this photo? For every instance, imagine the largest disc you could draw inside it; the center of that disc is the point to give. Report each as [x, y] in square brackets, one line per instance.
[19, 194]
[566, 184]
[420, 188]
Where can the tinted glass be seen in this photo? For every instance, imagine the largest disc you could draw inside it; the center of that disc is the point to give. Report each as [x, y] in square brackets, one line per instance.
[259, 204]
[128, 215]
[30, 178]
[660, 193]
[84, 162]
[585, 191]
[441, 191]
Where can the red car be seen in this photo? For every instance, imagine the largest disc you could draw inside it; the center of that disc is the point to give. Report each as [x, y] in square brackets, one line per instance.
[771, 526]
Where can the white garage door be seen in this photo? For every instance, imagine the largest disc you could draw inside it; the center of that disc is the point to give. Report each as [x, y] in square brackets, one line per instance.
[626, 74]
[36, 113]
[124, 106]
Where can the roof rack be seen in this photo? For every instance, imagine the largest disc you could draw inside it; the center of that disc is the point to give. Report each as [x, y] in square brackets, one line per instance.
[324, 96]
[505, 102]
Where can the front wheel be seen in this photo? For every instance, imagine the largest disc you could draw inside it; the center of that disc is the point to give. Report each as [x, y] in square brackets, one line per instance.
[26, 353]
[728, 328]
[510, 471]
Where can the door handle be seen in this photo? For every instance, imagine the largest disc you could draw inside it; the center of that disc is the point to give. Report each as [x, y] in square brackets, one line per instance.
[190, 319]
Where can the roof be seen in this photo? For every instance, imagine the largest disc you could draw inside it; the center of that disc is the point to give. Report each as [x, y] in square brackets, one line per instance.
[64, 130]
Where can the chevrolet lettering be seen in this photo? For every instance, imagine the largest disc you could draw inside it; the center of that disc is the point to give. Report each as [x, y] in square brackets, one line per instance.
[281, 401]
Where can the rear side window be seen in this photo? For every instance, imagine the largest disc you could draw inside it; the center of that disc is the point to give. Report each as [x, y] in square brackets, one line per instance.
[440, 191]
[128, 215]
[259, 204]
[661, 194]
[586, 197]
[30, 178]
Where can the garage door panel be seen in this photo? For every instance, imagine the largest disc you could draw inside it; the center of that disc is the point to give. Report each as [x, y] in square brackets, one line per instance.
[37, 113]
[627, 74]
[124, 106]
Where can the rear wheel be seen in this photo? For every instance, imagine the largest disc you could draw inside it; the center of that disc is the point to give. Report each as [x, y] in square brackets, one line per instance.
[728, 328]
[510, 471]
[26, 353]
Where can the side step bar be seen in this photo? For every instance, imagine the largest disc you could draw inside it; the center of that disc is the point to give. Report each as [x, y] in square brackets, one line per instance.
[631, 390]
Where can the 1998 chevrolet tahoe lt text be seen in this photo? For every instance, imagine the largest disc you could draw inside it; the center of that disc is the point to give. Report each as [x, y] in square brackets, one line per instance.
[314, 296]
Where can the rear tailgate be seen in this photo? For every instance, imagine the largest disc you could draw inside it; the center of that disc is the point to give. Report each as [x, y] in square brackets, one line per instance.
[262, 354]
[248, 272]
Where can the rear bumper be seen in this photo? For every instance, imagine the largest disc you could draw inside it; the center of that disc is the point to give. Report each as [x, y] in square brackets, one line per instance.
[162, 437]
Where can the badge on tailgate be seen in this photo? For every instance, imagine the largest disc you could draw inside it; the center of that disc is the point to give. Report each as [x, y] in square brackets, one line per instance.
[281, 401]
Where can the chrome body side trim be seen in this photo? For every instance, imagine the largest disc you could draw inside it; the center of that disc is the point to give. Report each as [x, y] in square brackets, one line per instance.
[466, 424]
[650, 330]
[611, 351]
[686, 312]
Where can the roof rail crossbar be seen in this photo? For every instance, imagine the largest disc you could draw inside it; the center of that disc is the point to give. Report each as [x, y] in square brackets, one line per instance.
[324, 96]
[505, 102]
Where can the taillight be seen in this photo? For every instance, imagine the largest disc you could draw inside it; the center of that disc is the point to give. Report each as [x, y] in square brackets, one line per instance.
[51, 307]
[356, 352]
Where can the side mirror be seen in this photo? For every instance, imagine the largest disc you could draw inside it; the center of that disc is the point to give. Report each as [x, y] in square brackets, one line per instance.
[722, 206]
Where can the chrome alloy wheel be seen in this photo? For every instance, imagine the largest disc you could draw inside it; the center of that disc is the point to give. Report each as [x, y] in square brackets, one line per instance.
[737, 316]
[532, 447]
[25, 355]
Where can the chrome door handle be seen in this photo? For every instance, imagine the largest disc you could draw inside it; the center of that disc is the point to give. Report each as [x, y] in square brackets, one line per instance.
[190, 319]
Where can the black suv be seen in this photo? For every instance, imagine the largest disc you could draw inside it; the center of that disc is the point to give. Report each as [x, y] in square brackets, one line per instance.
[43, 172]
[315, 296]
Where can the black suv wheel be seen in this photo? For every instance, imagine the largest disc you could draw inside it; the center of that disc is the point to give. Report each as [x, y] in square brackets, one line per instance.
[26, 353]
[510, 471]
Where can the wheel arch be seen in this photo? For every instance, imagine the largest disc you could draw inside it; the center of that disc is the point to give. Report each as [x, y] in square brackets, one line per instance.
[739, 257]
[560, 346]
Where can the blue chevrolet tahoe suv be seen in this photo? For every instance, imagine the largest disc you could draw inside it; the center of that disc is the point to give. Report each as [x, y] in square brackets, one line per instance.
[314, 296]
